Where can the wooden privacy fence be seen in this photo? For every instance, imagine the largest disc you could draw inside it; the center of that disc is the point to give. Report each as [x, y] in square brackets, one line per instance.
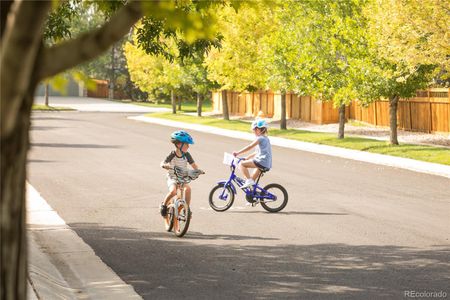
[429, 111]
[305, 108]
[102, 90]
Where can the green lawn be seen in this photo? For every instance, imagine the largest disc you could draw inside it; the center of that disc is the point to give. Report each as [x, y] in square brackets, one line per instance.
[425, 153]
[186, 106]
[49, 108]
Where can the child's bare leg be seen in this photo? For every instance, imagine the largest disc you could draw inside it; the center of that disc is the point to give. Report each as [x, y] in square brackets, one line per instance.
[244, 165]
[187, 194]
[172, 193]
[256, 174]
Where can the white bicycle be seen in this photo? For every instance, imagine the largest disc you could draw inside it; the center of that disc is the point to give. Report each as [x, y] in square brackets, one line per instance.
[178, 212]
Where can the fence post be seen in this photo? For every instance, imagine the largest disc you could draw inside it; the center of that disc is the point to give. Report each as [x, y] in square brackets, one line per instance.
[410, 115]
[430, 108]
[375, 113]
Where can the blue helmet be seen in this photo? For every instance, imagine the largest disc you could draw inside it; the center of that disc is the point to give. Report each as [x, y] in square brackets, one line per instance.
[182, 137]
[259, 123]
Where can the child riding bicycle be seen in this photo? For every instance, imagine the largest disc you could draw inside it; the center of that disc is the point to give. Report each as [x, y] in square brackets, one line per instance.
[179, 158]
[261, 159]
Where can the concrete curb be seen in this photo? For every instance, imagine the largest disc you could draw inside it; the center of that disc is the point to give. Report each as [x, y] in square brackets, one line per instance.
[392, 161]
[61, 265]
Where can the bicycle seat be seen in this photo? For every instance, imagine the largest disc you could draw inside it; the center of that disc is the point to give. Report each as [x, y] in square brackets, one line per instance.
[264, 170]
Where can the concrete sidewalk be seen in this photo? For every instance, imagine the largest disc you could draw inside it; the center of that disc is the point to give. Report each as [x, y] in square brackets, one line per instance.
[61, 265]
[392, 161]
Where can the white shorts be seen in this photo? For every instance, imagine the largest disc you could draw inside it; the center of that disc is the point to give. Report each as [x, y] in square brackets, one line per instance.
[170, 182]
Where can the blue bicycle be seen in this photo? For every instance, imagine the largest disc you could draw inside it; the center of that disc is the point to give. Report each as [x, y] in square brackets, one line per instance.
[272, 197]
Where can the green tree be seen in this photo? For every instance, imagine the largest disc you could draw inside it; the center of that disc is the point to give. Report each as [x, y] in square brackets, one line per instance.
[331, 49]
[25, 61]
[57, 28]
[406, 49]
[235, 66]
[414, 31]
[110, 65]
[177, 71]
[394, 80]
[153, 74]
[196, 77]
[278, 53]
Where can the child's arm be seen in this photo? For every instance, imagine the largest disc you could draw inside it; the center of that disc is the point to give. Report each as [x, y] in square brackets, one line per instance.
[192, 163]
[251, 156]
[246, 148]
[165, 164]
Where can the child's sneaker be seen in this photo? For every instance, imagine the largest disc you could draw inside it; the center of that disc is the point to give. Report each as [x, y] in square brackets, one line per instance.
[163, 210]
[248, 183]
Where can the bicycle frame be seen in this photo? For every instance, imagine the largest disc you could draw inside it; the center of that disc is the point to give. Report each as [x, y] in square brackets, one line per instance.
[256, 192]
[180, 198]
[177, 200]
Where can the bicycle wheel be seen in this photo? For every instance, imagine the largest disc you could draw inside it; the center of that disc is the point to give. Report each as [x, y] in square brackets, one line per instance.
[216, 202]
[181, 222]
[281, 198]
[168, 219]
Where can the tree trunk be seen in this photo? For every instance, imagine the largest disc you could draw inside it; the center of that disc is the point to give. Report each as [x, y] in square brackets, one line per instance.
[174, 104]
[46, 93]
[22, 67]
[226, 115]
[179, 102]
[14, 149]
[199, 104]
[341, 121]
[283, 111]
[393, 104]
[111, 74]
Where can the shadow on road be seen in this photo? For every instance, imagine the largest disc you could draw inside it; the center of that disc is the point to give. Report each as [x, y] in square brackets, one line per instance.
[160, 266]
[46, 127]
[30, 161]
[62, 145]
[201, 236]
[288, 213]
[53, 116]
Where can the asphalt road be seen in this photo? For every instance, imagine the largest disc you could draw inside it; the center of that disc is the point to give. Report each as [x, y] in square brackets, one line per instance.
[351, 230]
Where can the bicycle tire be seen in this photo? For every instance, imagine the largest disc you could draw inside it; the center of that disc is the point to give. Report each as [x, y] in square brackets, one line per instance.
[227, 203]
[182, 221]
[168, 219]
[283, 202]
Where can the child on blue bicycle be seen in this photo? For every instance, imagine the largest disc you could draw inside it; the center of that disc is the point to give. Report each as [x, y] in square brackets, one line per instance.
[261, 159]
[180, 157]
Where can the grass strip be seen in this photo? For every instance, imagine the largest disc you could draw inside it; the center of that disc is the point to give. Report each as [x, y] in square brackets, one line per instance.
[42, 107]
[432, 154]
[186, 106]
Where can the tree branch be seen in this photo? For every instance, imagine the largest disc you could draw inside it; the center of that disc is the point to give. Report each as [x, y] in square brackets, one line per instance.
[89, 45]
[4, 10]
[19, 47]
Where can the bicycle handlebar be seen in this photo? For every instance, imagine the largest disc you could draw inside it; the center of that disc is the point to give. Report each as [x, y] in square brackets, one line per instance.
[185, 176]
[233, 164]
